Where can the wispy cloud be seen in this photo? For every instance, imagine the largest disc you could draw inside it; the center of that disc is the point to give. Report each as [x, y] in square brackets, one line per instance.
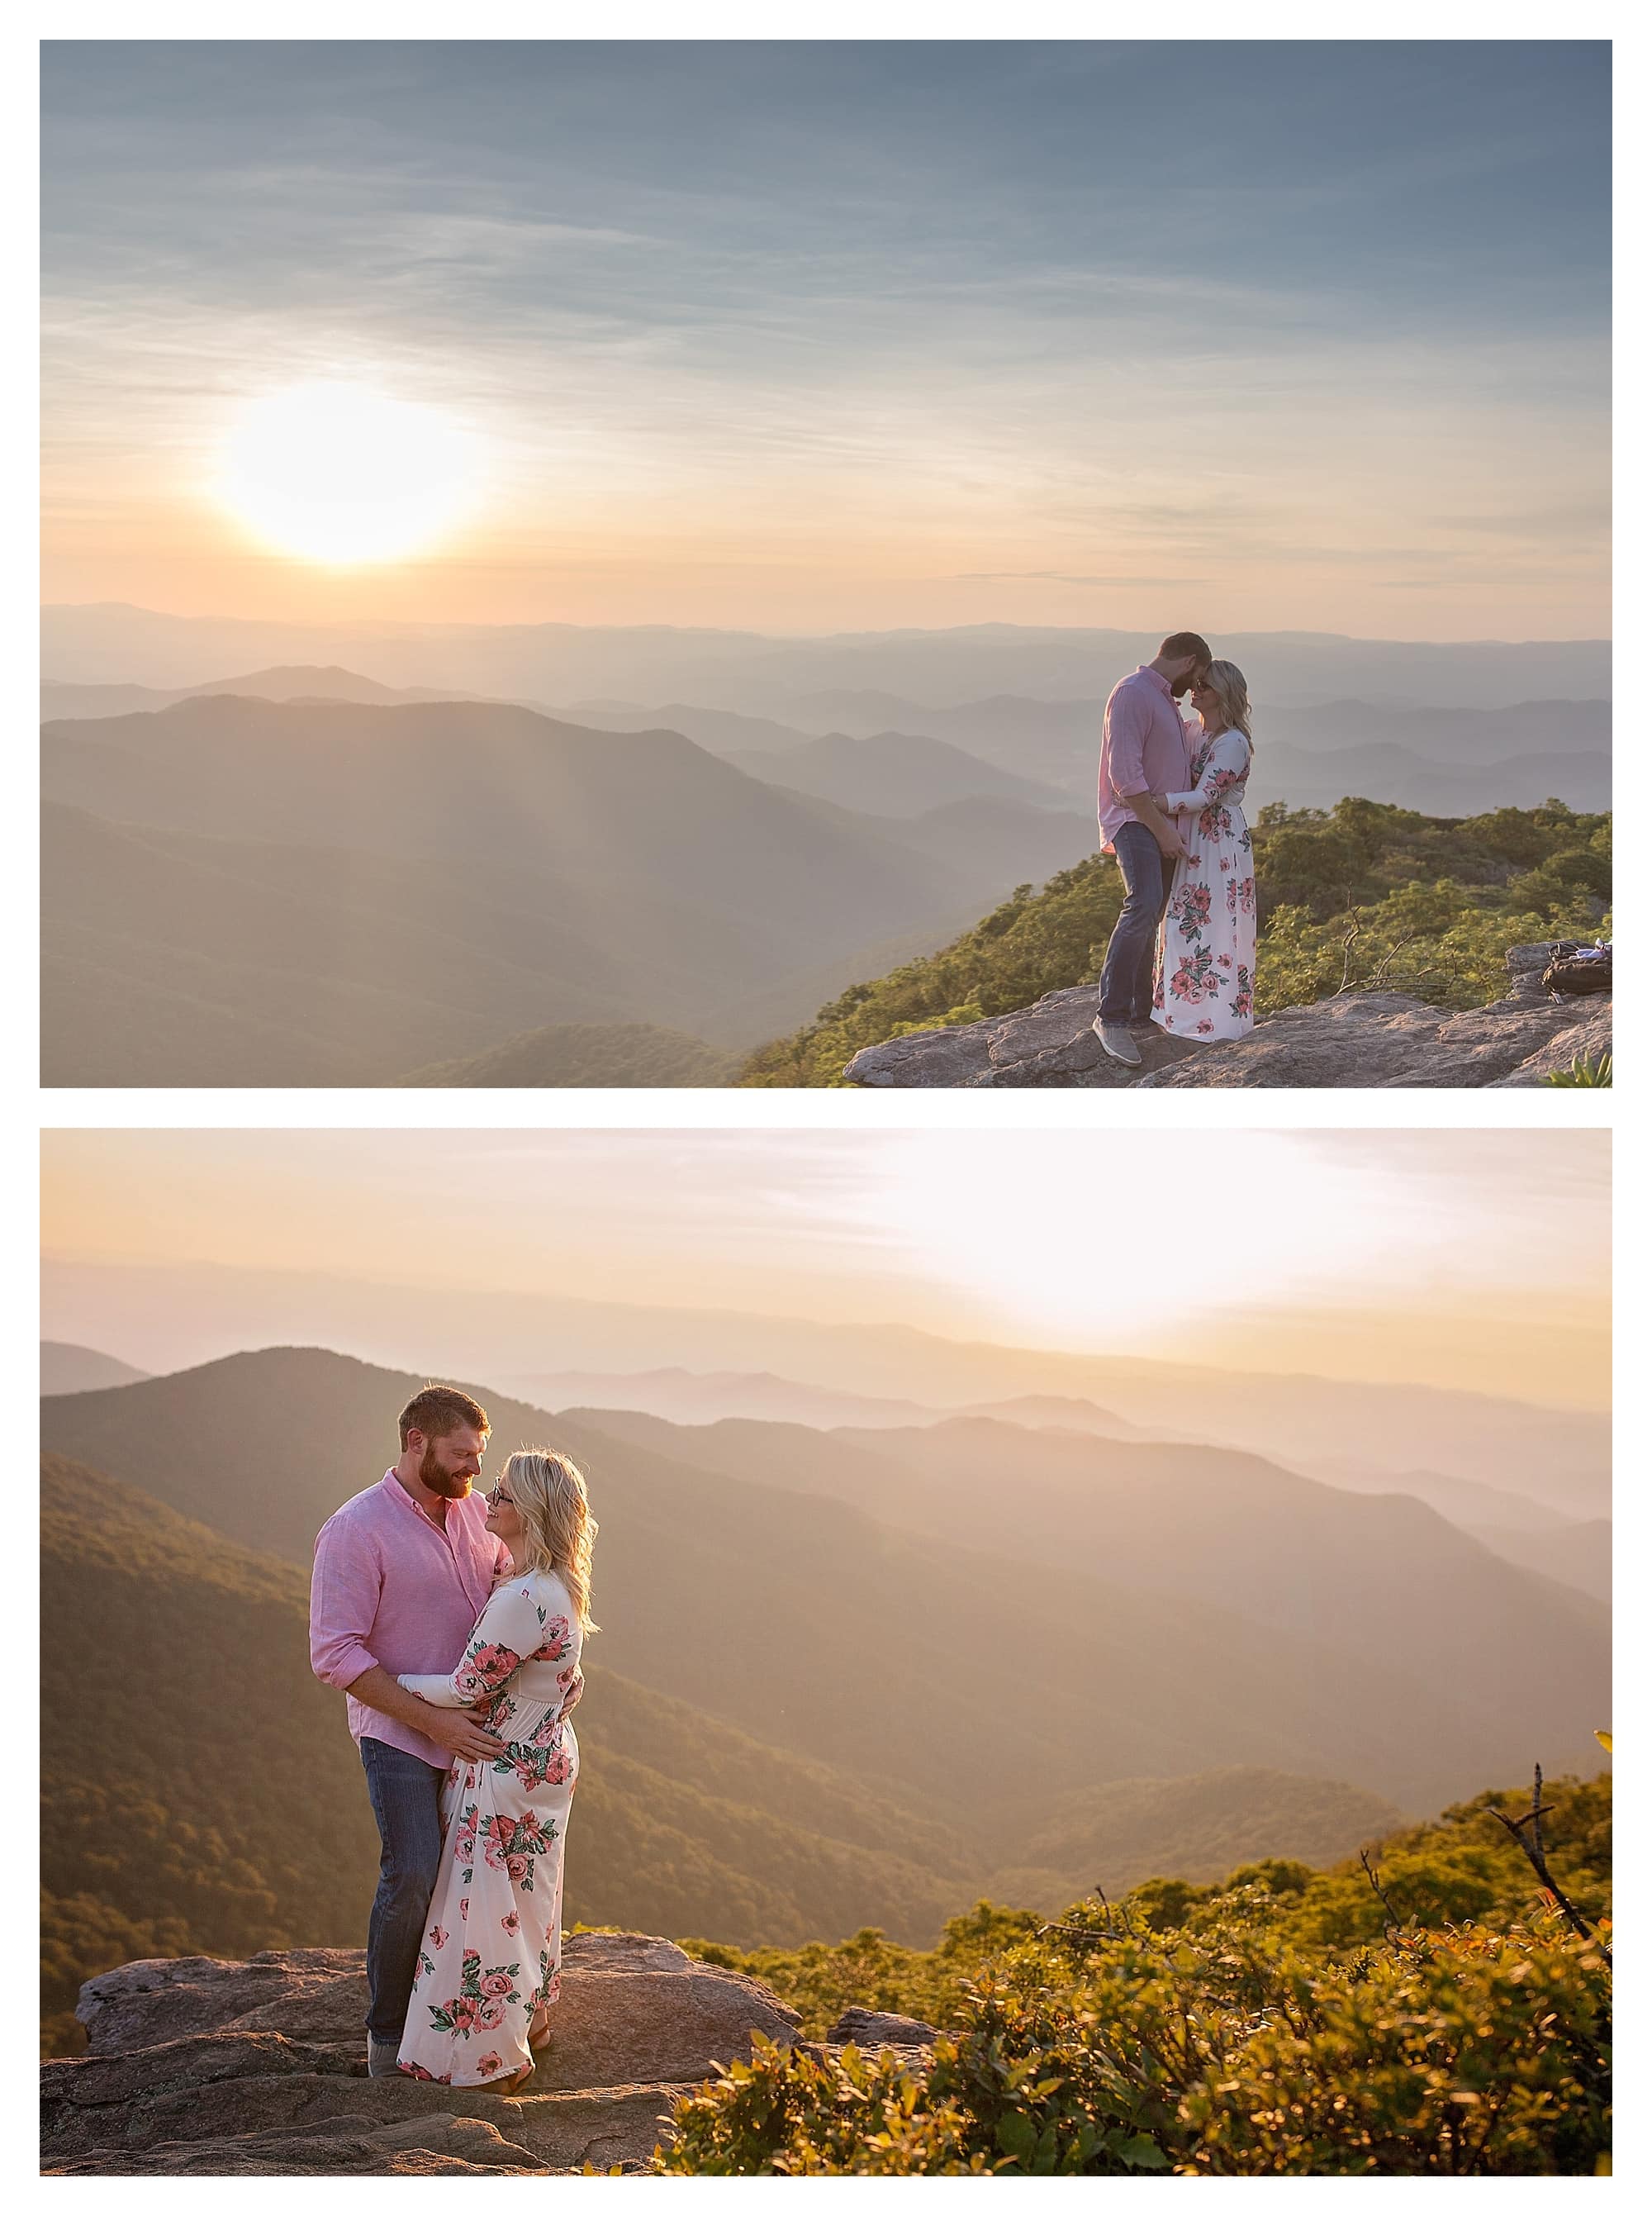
[932, 302]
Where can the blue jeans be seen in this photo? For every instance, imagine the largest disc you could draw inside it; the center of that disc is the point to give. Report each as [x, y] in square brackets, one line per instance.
[407, 1797]
[1127, 992]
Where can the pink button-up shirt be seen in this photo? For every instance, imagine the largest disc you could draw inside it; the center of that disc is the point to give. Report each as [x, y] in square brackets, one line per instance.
[388, 1587]
[1144, 747]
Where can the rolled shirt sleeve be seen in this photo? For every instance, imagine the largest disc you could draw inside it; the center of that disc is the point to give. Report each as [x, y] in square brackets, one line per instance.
[344, 1592]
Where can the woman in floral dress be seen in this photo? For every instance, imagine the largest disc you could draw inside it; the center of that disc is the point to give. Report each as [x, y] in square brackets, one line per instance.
[489, 1970]
[1207, 981]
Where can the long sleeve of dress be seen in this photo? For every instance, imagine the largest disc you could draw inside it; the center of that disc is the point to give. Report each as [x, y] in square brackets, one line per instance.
[1229, 761]
[514, 1628]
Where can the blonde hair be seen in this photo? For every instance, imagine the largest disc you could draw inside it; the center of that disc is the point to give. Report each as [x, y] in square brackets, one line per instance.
[1226, 680]
[549, 1495]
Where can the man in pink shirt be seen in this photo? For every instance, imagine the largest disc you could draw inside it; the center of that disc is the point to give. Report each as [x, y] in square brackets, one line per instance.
[1144, 755]
[402, 1573]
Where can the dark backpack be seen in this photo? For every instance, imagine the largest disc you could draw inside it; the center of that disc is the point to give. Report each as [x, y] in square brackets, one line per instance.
[1574, 969]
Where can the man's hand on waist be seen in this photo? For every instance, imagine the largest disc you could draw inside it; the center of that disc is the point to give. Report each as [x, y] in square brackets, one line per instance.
[458, 1731]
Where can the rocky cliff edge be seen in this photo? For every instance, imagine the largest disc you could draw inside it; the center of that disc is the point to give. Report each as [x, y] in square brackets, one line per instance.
[1357, 1038]
[198, 2067]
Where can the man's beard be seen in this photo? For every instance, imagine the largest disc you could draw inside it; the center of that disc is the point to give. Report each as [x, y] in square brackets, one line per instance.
[452, 1485]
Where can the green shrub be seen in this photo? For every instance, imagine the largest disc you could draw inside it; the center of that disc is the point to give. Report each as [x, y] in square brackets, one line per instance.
[1467, 2052]
[1442, 2020]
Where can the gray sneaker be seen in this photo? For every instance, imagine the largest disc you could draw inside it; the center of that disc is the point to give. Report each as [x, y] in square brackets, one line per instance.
[1117, 1042]
[380, 2056]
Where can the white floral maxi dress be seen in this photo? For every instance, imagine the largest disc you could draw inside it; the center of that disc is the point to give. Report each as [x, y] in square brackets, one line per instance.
[492, 1948]
[1206, 986]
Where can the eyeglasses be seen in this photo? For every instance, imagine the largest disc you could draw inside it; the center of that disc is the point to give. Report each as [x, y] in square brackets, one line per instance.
[499, 1497]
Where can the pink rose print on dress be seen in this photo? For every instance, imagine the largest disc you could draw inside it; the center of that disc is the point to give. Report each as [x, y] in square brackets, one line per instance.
[491, 2063]
[556, 1642]
[510, 1923]
[1193, 981]
[490, 2013]
[438, 1937]
[1190, 908]
[490, 1667]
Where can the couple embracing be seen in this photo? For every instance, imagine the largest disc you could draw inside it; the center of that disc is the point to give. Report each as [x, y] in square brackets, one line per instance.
[453, 1622]
[1183, 954]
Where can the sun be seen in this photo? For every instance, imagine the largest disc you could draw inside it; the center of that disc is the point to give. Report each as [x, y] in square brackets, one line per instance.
[341, 473]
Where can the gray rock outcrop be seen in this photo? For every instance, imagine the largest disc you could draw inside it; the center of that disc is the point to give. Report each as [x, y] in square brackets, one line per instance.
[868, 2028]
[200, 2067]
[1358, 1038]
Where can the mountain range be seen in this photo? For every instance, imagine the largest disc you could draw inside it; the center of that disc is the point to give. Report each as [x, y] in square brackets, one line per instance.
[1439, 760]
[1573, 1550]
[67, 1368]
[1358, 1434]
[243, 891]
[307, 874]
[1457, 760]
[1155, 1611]
[785, 678]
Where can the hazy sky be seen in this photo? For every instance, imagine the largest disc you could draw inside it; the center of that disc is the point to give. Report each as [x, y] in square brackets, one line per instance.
[1472, 1259]
[1274, 335]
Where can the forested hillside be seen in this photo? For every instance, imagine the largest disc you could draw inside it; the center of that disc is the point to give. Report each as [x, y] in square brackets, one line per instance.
[585, 1055]
[1358, 894]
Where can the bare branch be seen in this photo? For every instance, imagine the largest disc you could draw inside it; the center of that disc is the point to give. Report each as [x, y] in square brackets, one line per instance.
[1393, 1927]
[1537, 1855]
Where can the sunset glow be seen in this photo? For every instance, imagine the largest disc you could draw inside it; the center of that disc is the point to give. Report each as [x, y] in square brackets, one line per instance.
[811, 335]
[339, 473]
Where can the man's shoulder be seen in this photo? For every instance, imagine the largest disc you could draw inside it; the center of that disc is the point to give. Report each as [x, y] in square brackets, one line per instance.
[1134, 682]
[360, 1511]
